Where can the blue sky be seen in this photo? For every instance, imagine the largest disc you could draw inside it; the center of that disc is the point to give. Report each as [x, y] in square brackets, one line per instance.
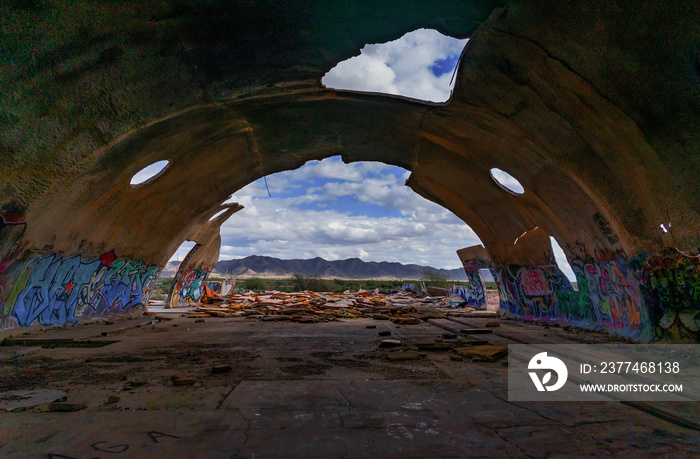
[420, 65]
[337, 211]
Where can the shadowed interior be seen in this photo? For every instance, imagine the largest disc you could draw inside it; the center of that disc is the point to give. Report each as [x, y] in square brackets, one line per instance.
[592, 107]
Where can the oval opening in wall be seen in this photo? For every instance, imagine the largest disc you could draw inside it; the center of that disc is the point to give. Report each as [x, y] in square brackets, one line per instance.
[149, 173]
[507, 181]
[217, 214]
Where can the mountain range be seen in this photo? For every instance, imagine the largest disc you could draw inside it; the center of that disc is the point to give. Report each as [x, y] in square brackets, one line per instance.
[352, 268]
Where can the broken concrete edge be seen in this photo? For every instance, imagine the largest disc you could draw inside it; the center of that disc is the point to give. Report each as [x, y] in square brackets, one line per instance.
[8, 353]
[188, 283]
[16, 335]
[20, 400]
[487, 352]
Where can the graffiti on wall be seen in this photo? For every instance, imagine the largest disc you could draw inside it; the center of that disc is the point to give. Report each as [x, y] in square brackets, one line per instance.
[55, 289]
[221, 288]
[532, 292]
[188, 287]
[475, 293]
[671, 283]
[189, 281]
[613, 291]
[608, 295]
[604, 227]
[644, 297]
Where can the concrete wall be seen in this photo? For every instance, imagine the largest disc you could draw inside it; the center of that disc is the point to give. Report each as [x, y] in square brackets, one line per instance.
[593, 106]
[49, 288]
[646, 298]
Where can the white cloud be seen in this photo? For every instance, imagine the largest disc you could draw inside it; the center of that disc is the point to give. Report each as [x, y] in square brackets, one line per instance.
[401, 67]
[423, 233]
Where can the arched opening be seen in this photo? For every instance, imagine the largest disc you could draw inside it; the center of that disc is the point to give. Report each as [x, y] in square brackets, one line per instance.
[182, 251]
[335, 211]
[162, 286]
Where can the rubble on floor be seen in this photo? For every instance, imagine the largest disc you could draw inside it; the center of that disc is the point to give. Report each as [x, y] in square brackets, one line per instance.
[403, 308]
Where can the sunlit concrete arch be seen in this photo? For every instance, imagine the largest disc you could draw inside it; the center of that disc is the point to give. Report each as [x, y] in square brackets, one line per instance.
[220, 152]
[603, 141]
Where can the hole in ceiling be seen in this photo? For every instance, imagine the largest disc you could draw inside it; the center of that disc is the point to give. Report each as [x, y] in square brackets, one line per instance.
[562, 262]
[419, 65]
[149, 173]
[664, 228]
[213, 217]
[507, 181]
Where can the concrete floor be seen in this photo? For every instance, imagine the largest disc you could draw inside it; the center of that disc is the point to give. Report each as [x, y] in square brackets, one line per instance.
[304, 390]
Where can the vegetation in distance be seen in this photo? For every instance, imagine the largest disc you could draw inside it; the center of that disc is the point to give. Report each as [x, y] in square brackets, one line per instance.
[299, 282]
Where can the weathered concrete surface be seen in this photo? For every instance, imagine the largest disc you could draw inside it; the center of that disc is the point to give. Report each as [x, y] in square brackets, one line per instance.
[308, 390]
[22, 399]
[191, 276]
[473, 259]
[593, 106]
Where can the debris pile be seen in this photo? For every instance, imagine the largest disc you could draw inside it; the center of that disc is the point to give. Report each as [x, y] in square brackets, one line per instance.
[402, 307]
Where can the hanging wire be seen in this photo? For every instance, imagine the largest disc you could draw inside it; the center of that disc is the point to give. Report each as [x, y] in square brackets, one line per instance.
[268, 188]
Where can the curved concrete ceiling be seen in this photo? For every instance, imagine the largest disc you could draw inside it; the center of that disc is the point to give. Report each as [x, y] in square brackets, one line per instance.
[593, 106]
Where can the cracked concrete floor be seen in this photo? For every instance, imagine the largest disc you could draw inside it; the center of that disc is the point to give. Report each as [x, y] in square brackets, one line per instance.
[304, 390]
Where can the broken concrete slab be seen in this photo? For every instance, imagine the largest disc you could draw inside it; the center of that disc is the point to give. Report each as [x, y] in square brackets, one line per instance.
[486, 353]
[23, 399]
[276, 317]
[221, 368]
[66, 407]
[403, 355]
[445, 324]
[472, 314]
[9, 353]
[475, 331]
[381, 317]
[436, 347]
[406, 321]
[471, 342]
[388, 343]
[305, 319]
[428, 312]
